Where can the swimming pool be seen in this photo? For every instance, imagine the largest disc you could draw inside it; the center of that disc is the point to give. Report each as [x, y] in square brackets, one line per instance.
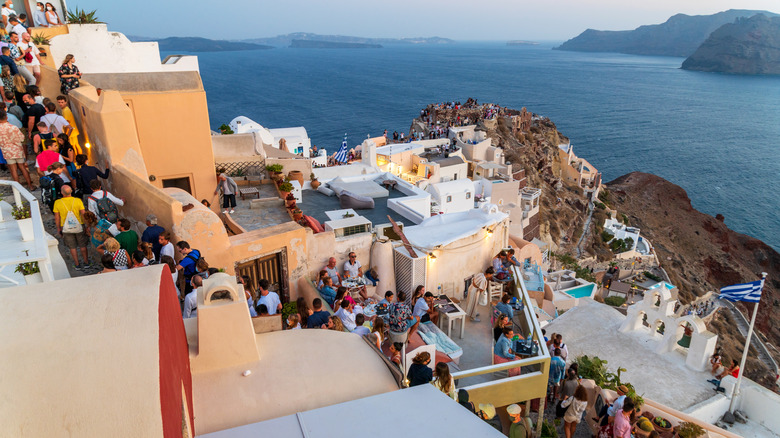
[585, 291]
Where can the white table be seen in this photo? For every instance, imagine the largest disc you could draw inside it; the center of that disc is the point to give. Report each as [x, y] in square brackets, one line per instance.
[449, 318]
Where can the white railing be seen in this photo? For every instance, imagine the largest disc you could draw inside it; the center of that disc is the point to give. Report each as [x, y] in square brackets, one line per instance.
[38, 249]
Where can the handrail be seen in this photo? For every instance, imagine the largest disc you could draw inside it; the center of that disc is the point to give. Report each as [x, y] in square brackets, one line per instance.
[40, 249]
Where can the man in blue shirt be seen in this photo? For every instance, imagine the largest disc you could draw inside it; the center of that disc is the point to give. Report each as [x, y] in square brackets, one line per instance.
[152, 235]
[503, 352]
[422, 309]
[387, 299]
[557, 368]
[187, 265]
[319, 317]
[504, 306]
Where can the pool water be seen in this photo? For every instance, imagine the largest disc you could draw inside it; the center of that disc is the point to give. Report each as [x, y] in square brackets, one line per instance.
[584, 291]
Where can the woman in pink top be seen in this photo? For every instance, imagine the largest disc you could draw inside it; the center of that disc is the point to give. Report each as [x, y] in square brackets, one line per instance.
[621, 428]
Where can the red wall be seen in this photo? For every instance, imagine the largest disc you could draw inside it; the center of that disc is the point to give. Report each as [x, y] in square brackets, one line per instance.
[174, 360]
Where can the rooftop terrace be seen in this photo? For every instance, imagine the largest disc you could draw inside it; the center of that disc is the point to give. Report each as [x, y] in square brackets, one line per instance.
[253, 213]
[316, 204]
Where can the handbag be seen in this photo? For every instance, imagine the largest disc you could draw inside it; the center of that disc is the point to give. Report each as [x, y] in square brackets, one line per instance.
[72, 225]
[560, 411]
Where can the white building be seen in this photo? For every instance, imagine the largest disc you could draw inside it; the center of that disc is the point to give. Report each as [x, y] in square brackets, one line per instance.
[453, 196]
[296, 139]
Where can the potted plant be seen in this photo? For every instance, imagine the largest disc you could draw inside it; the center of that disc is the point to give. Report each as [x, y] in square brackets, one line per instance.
[314, 182]
[30, 271]
[296, 175]
[42, 43]
[290, 200]
[297, 214]
[23, 218]
[285, 188]
[689, 430]
[82, 16]
[274, 171]
[662, 425]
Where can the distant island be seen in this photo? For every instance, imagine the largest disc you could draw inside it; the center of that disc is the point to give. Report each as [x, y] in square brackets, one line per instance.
[521, 43]
[196, 44]
[680, 35]
[747, 46]
[314, 44]
[286, 40]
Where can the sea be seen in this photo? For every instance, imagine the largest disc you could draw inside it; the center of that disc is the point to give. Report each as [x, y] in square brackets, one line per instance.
[715, 135]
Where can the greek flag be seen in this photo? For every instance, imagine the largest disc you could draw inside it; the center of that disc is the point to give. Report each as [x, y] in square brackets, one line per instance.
[750, 292]
[341, 155]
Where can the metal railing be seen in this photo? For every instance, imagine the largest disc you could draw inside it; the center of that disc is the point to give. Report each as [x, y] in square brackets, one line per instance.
[39, 252]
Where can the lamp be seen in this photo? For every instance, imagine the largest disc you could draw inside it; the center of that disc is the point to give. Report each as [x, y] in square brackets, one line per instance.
[432, 256]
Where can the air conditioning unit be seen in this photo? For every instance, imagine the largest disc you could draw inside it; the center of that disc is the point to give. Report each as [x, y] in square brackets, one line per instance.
[385, 231]
[409, 272]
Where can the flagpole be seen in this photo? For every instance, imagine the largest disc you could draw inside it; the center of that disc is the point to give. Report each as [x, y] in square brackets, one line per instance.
[745, 351]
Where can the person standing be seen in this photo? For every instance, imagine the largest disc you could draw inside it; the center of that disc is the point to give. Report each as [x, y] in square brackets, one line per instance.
[622, 426]
[166, 247]
[103, 203]
[69, 74]
[52, 17]
[11, 139]
[18, 57]
[127, 238]
[33, 115]
[152, 235]
[519, 427]
[7, 11]
[575, 406]
[56, 123]
[270, 299]
[62, 101]
[557, 368]
[39, 16]
[229, 189]
[68, 213]
[478, 286]
[87, 174]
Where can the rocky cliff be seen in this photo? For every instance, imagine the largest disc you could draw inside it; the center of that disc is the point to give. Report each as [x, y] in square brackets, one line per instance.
[747, 46]
[680, 35]
[700, 253]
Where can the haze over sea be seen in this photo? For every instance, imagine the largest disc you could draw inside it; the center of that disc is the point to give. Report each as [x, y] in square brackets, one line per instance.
[715, 135]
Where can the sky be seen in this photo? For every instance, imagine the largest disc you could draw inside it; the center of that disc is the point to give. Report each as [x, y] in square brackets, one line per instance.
[464, 20]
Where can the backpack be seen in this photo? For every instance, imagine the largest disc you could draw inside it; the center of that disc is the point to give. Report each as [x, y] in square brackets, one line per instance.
[49, 190]
[106, 208]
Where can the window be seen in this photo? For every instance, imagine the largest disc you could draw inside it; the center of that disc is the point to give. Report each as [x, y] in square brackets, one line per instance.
[355, 229]
[449, 198]
[181, 183]
[468, 195]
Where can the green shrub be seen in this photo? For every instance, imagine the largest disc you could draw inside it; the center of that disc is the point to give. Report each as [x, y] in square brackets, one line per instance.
[548, 430]
[225, 129]
[288, 309]
[614, 301]
[82, 16]
[274, 167]
[606, 236]
[690, 430]
[652, 276]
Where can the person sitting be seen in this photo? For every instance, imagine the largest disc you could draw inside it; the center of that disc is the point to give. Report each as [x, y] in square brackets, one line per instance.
[501, 273]
[503, 351]
[331, 269]
[353, 270]
[419, 373]
[400, 316]
[423, 309]
[387, 299]
[372, 276]
[498, 330]
[327, 292]
[504, 307]
[319, 318]
[320, 278]
[262, 310]
[511, 260]
[715, 361]
[341, 294]
[360, 329]
[395, 352]
[346, 315]
[378, 329]
[444, 381]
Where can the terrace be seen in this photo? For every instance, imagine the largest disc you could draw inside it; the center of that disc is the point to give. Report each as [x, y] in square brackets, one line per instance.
[259, 211]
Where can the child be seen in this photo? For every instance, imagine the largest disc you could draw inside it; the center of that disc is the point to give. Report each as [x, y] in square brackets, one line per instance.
[395, 352]
[293, 322]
